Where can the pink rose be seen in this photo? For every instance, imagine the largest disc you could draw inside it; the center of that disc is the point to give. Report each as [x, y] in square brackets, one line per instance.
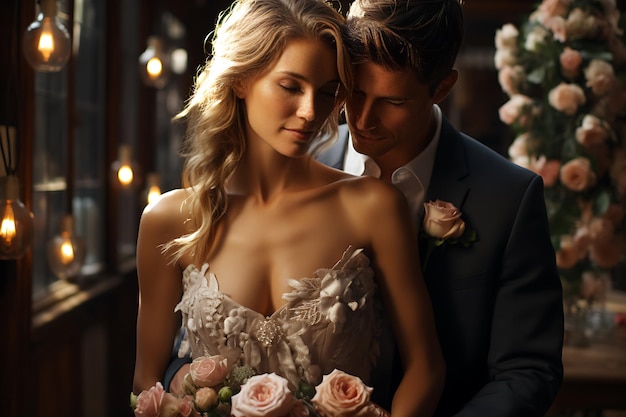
[443, 220]
[265, 395]
[577, 174]
[570, 60]
[566, 98]
[342, 395]
[208, 371]
[149, 402]
[548, 170]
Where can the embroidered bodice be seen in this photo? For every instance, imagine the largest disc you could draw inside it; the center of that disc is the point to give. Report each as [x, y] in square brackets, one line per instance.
[330, 320]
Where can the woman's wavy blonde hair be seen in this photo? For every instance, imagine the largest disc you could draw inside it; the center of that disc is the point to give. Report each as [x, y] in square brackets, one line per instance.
[249, 37]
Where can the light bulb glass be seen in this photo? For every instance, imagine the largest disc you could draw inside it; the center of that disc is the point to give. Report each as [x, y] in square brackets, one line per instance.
[46, 44]
[16, 224]
[154, 67]
[66, 251]
[152, 191]
[125, 170]
[125, 175]
[153, 63]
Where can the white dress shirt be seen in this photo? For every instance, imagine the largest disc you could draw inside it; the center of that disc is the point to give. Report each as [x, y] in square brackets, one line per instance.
[412, 179]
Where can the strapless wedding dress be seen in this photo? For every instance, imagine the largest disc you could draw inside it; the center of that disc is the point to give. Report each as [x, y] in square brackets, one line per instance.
[332, 319]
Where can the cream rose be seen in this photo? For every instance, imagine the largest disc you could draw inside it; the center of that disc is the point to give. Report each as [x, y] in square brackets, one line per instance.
[443, 220]
[208, 371]
[265, 395]
[342, 395]
[536, 38]
[206, 398]
[506, 37]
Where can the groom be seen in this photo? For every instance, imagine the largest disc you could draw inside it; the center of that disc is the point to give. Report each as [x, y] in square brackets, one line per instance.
[497, 302]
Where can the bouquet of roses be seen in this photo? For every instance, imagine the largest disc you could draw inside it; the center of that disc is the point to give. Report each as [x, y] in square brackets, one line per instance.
[214, 390]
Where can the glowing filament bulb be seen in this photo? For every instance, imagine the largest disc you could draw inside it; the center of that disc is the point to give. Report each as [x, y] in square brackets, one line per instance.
[7, 229]
[154, 67]
[46, 45]
[153, 193]
[67, 252]
[125, 174]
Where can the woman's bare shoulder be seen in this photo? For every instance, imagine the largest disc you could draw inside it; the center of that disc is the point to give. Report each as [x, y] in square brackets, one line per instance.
[169, 211]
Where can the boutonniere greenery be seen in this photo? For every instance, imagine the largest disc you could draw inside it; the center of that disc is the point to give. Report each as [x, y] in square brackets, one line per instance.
[443, 225]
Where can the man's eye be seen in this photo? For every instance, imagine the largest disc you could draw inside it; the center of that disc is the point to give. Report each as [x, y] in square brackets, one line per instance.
[395, 102]
[328, 93]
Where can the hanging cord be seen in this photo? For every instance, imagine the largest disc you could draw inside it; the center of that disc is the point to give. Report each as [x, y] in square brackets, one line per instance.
[7, 151]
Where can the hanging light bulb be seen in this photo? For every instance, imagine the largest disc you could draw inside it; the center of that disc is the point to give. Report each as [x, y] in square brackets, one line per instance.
[46, 42]
[66, 251]
[153, 63]
[153, 189]
[124, 168]
[16, 226]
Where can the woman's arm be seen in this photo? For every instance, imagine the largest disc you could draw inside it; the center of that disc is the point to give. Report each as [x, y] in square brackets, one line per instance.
[397, 264]
[160, 289]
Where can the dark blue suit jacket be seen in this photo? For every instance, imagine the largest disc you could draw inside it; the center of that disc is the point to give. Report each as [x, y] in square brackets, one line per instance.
[498, 303]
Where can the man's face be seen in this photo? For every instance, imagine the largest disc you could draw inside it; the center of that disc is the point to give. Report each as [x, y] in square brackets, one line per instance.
[390, 115]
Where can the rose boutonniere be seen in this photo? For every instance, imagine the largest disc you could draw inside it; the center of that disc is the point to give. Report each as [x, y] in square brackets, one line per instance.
[443, 224]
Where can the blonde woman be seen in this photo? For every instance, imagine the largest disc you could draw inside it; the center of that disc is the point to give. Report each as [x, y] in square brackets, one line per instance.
[263, 235]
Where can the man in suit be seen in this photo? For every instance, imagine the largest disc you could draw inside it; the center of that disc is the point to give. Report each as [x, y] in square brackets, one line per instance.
[497, 302]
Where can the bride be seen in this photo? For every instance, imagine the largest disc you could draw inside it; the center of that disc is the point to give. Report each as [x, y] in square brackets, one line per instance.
[275, 260]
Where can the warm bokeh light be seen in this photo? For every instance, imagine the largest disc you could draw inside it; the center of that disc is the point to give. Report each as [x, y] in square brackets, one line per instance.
[67, 252]
[46, 45]
[154, 67]
[7, 229]
[154, 192]
[125, 175]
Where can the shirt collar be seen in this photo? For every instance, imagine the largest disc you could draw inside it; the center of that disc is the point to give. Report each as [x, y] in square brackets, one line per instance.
[421, 166]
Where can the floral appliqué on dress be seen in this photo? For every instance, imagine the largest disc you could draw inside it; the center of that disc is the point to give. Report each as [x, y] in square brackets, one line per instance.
[331, 320]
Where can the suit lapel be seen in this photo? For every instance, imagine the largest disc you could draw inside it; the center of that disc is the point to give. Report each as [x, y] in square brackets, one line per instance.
[450, 168]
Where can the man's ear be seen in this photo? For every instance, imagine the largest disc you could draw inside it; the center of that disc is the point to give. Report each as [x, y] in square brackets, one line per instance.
[445, 86]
